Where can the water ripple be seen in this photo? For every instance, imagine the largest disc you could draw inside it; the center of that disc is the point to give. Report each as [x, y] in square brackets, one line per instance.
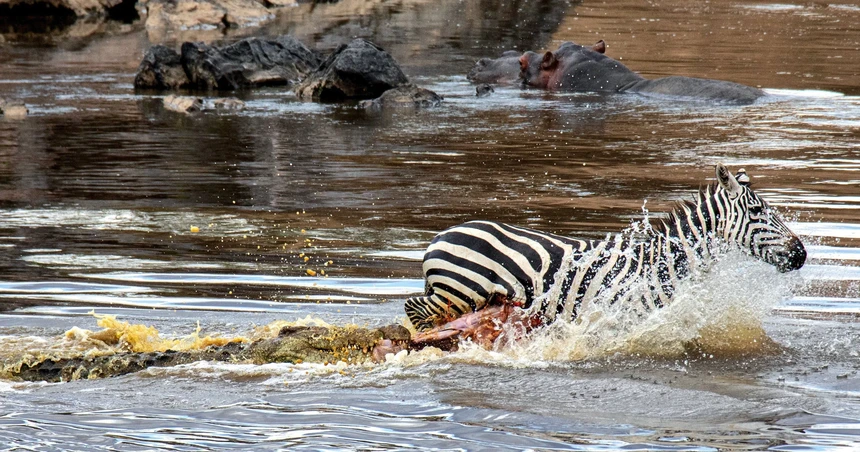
[365, 286]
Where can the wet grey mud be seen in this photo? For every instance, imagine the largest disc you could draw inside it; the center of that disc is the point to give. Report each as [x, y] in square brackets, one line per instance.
[180, 231]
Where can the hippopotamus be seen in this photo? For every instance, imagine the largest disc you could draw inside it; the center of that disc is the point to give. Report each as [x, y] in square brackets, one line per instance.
[506, 69]
[503, 70]
[583, 69]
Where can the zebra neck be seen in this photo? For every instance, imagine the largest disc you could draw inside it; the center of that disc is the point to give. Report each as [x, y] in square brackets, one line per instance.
[682, 243]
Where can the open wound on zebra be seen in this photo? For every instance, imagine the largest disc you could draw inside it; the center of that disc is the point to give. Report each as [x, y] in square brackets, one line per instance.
[486, 281]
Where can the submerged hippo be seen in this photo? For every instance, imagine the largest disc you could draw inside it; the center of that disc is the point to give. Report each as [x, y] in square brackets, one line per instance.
[503, 70]
[506, 69]
[578, 68]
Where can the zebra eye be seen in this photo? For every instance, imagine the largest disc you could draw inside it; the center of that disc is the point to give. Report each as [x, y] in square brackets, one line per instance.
[756, 210]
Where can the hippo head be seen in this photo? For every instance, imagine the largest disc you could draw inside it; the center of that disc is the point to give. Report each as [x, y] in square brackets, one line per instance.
[502, 70]
[539, 71]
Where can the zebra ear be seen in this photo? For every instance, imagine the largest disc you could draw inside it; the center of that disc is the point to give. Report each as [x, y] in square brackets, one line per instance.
[743, 178]
[727, 181]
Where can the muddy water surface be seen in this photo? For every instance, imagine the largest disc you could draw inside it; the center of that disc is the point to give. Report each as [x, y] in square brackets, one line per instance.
[109, 203]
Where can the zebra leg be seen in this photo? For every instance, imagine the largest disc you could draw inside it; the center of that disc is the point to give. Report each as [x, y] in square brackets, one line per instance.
[430, 311]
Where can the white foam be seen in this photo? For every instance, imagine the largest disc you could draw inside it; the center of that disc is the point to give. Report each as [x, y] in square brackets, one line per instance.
[718, 312]
[811, 93]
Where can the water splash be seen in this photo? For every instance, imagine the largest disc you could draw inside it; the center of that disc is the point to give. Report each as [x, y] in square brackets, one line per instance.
[116, 336]
[143, 339]
[271, 329]
[718, 312]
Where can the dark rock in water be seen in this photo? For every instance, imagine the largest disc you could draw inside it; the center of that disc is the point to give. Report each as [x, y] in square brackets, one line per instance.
[406, 96]
[161, 68]
[247, 63]
[484, 90]
[183, 104]
[359, 70]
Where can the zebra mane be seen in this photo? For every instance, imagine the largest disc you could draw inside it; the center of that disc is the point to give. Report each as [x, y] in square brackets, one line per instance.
[690, 204]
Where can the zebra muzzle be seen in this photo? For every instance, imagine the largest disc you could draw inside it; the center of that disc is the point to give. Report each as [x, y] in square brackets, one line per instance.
[792, 257]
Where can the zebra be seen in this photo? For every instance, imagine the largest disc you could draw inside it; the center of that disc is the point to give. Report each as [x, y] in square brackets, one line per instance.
[479, 263]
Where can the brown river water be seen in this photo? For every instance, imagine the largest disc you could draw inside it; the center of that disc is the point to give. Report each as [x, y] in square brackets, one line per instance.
[100, 188]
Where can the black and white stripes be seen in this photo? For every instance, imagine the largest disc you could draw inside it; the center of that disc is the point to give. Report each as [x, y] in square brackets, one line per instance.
[474, 264]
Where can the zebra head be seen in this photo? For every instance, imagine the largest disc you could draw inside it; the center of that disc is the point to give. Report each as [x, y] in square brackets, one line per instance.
[748, 221]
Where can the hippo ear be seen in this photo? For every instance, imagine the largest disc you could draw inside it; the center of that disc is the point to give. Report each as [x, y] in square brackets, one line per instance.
[599, 46]
[549, 61]
[727, 181]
